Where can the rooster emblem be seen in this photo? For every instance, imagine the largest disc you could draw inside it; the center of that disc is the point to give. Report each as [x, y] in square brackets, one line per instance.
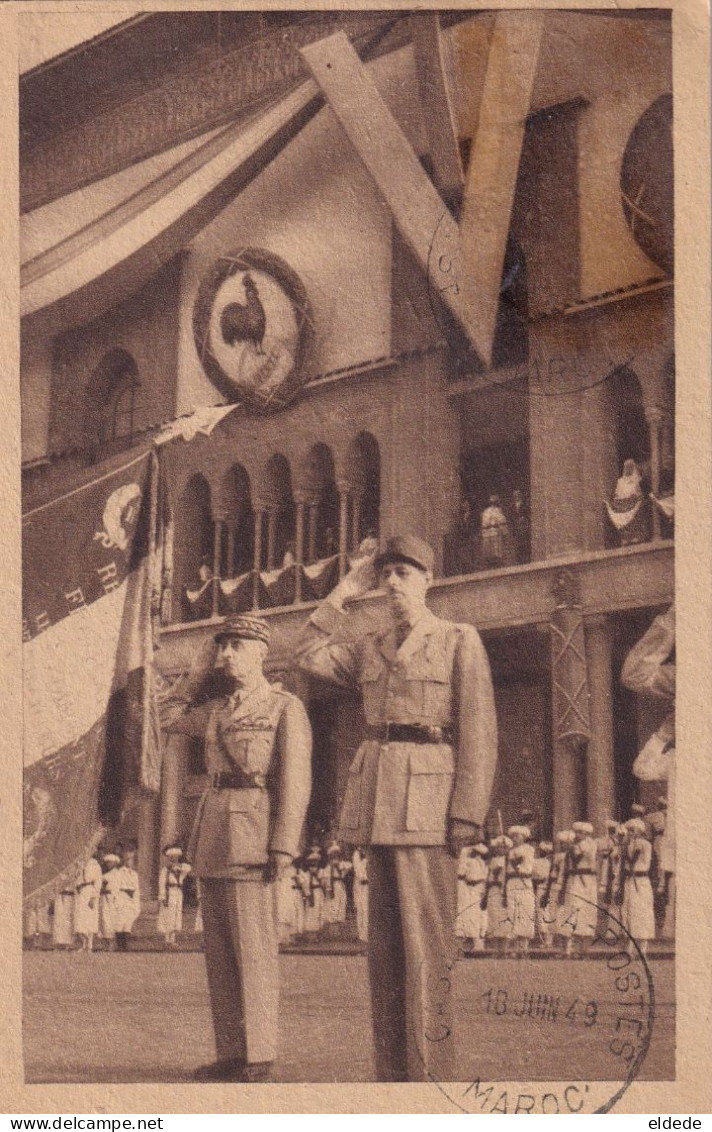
[245, 322]
[120, 517]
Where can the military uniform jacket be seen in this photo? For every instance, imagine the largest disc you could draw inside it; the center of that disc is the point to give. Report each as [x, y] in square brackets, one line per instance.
[266, 734]
[403, 793]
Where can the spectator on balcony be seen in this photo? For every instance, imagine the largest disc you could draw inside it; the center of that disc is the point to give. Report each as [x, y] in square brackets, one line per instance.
[625, 510]
[495, 532]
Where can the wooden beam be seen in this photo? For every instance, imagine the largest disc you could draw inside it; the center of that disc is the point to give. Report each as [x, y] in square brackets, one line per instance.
[494, 164]
[423, 219]
[444, 149]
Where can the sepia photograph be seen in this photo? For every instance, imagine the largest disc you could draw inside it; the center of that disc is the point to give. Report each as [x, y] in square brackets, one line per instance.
[347, 376]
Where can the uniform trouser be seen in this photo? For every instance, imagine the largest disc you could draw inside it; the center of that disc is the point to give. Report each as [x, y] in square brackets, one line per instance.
[241, 956]
[411, 954]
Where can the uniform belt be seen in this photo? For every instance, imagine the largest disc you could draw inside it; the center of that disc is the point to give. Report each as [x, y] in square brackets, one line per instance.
[582, 873]
[472, 883]
[637, 873]
[519, 876]
[237, 780]
[85, 884]
[409, 733]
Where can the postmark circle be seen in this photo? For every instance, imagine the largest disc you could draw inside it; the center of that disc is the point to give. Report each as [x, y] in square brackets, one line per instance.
[610, 1030]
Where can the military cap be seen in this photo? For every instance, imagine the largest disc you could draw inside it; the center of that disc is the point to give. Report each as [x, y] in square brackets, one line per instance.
[111, 859]
[502, 843]
[246, 626]
[519, 830]
[611, 824]
[546, 847]
[582, 827]
[637, 810]
[635, 825]
[173, 851]
[332, 848]
[407, 548]
[313, 857]
[564, 836]
[481, 849]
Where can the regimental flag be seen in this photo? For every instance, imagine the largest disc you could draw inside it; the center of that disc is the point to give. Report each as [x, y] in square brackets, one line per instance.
[90, 720]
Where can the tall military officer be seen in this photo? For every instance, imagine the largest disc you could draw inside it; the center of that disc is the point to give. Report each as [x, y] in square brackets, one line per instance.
[418, 788]
[248, 826]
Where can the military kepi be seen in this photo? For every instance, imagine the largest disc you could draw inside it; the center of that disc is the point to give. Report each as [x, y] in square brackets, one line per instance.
[407, 548]
[246, 626]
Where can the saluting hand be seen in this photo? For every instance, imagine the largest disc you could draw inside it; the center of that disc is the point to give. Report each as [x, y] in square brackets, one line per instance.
[360, 580]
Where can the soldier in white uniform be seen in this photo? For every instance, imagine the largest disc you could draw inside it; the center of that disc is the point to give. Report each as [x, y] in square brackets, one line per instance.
[555, 905]
[637, 912]
[499, 916]
[247, 829]
[360, 867]
[583, 884]
[36, 923]
[334, 873]
[541, 869]
[86, 908]
[108, 899]
[473, 917]
[170, 893]
[314, 895]
[519, 889]
[63, 920]
[128, 900]
[418, 789]
[608, 863]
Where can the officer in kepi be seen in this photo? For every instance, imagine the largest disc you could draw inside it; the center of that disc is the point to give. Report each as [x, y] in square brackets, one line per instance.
[247, 830]
[418, 790]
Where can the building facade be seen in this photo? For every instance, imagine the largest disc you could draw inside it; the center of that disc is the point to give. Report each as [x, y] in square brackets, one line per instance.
[143, 312]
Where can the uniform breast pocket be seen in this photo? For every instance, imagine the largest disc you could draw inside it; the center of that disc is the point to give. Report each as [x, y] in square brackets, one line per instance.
[428, 689]
[431, 773]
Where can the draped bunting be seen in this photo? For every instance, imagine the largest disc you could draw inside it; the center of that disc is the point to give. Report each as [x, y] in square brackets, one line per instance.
[274, 588]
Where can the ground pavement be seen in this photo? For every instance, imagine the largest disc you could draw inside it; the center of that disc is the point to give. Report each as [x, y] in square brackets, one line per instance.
[145, 1017]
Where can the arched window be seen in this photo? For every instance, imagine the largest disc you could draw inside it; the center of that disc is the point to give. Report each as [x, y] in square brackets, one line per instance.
[632, 432]
[322, 533]
[364, 476]
[237, 554]
[112, 397]
[193, 555]
[278, 518]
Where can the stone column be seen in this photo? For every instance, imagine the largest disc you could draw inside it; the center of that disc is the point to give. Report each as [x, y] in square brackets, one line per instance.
[311, 544]
[343, 526]
[600, 768]
[172, 779]
[654, 417]
[257, 561]
[356, 508]
[570, 707]
[299, 548]
[230, 565]
[271, 536]
[217, 553]
[148, 847]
